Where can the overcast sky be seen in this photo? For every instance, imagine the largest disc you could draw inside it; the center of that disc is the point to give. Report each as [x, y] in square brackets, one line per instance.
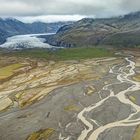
[63, 10]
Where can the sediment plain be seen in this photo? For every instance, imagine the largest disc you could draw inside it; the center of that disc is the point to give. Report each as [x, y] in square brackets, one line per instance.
[92, 99]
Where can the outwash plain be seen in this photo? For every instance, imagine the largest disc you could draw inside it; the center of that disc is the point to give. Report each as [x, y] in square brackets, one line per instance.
[77, 99]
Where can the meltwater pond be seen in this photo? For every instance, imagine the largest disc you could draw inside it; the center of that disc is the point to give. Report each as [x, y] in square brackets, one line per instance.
[26, 41]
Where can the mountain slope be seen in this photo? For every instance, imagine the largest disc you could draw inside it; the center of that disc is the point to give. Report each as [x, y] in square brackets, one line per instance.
[119, 31]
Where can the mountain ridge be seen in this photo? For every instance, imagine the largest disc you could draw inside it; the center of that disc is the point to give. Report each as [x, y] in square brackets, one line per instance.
[122, 31]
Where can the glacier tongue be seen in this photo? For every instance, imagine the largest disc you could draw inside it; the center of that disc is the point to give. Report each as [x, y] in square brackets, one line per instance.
[25, 41]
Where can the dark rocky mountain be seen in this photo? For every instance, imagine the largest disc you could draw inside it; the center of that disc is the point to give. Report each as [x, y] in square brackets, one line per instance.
[40, 27]
[3, 36]
[10, 27]
[122, 31]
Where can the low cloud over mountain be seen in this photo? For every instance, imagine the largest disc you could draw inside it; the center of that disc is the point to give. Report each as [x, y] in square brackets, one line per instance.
[96, 8]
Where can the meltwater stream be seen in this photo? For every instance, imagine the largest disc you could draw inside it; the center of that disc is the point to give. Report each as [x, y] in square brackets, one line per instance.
[122, 76]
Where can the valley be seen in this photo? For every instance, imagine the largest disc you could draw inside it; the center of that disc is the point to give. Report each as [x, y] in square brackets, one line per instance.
[70, 99]
[70, 80]
[11, 27]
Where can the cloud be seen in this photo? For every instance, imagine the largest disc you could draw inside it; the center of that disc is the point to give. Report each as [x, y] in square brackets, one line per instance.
[130, 5]
[38, 8]
[51, 18]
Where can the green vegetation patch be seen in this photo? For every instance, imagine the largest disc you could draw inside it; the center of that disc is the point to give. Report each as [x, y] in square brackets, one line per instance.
[90, 90]
[42, 134]
[71, 107]
[66, 53]
[136, 77]
[82, 53]
[136, 135]
[132, 99]
[8, 70]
